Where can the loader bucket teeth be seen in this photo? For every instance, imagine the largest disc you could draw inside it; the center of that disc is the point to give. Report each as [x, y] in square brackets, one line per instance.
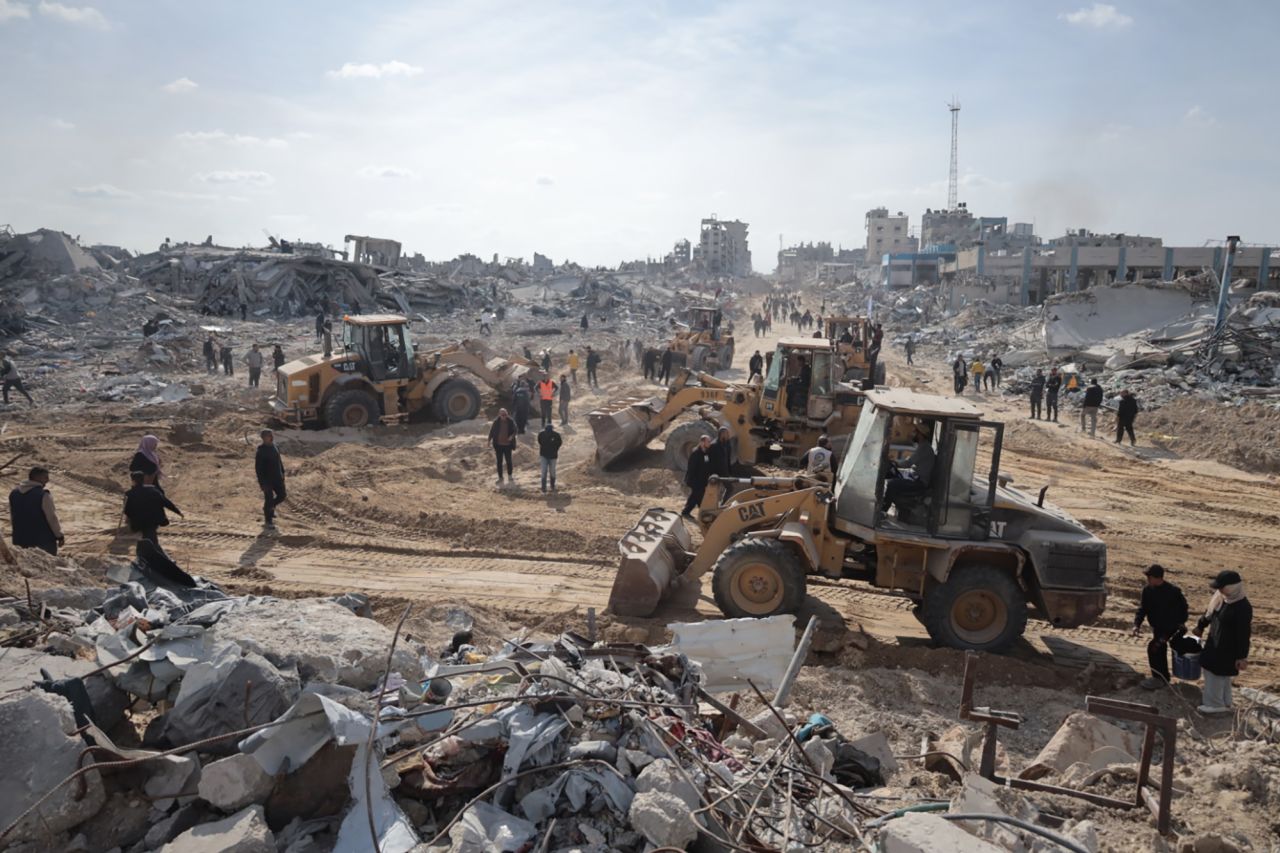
[654, 553]
[622, 427]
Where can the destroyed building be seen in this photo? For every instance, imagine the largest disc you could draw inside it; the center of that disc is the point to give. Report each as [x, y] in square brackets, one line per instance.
[722, 247]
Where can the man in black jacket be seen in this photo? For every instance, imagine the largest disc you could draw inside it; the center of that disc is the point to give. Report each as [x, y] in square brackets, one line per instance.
[1089, 409]
[697, 475]
[593, 364]
[1126, 413]
[668, 355]
[1229, 619]
[1037, 393]
[549, 442]
[649, 363]
[756, 365]
[1165, 607]
[1051, 388]
[269, 467]
[722, 453]
[144, 507]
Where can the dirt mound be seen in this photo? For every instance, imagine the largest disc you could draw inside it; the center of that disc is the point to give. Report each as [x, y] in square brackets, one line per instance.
[1244, 436]
[43, 571]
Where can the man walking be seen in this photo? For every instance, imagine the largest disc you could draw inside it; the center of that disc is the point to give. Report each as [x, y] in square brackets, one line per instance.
[269, 468]
[546, 393]
[254, 359]
[697, 475]
[277, 357]
[649, 363]
[521, 396]
[144, 508]
[1229, 619]
[211, 354]
[1051, 387]
[910, 348]
[12, 379]
[574, 363]
[1126, 414]
[1165, 607]
[755, 366]
[32, 515]
[977, 369]
[228, 366]
[1037, 393]
[565, 397]
[593, 365]
[502, 438]
[320, 321]
[722, 453]
[959, 373]
[997, 367]
[549, 442]
[1089, 411]
[667, 355]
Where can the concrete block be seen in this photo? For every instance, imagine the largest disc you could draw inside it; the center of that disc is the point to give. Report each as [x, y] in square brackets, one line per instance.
[662, 775]
[878, 747]
[243, 832]
[37, 752]
[926, 833]
[326, 641]
[662, 819]
[1080, 736]
[172, 775]
[22, 668]
[232, 783]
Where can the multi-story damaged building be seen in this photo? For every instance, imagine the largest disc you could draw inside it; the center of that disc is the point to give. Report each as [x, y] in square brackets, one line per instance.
[887, 234]
[722, 247]
[1085, 237]
[958, 229]
[680, 255]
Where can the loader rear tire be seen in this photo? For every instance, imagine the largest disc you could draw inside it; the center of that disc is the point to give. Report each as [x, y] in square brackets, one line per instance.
[456, 400]
[354, 408]
[682, 440]
[979, 607]
[756, 578]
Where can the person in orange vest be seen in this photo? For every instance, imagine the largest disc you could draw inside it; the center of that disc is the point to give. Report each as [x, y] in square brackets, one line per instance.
[546, 393]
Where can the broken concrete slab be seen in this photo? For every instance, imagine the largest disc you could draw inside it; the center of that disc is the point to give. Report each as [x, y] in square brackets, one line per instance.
[733, 651]
[225, 693]
[38, 752]
[22, 669]
[927, 833]
[876, 744]
[662, 819]
[662, 775]
[323, 639]
[1076, 740]
[234, 782]
[172, 778]
[243, 832]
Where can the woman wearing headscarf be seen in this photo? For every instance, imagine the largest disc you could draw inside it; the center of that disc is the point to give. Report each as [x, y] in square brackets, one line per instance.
[1229, 619]
[147, 460]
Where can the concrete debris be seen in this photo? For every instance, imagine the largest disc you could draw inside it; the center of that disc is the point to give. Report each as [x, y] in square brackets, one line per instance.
[927, 833]
[234, 782]
[243, 832]
[1084, 738]
[662, 819]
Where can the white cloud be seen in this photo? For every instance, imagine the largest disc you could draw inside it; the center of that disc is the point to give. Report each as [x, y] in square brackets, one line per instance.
[545, 181]
[388, 172]
[10, 9]
[201, 137]
[180, 86]
[62, 124]
[394, 68]
[1198, 115]
[84, 16]
[236, 176]
[1100, 16]
[103, 191]
[178, 195]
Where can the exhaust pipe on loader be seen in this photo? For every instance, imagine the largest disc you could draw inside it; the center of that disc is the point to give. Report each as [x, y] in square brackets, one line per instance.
[654, 554]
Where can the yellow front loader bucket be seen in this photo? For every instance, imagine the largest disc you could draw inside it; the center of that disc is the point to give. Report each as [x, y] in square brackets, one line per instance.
[623, 426]
[654, 553]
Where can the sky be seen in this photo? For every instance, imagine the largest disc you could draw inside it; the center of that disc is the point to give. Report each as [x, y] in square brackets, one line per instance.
[604, 131]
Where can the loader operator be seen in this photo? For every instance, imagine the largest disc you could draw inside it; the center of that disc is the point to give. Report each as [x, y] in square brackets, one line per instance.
[913, 480]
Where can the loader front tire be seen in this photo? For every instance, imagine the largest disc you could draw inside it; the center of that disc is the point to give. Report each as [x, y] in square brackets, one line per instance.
[354, 408]
[681, 442]
[757, 578]
[456, 400]
[979, 607]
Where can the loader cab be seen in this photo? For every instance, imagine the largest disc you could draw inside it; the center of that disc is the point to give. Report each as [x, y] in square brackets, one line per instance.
[801, 381]
[382, 345]
[956, 500]
[705, 320]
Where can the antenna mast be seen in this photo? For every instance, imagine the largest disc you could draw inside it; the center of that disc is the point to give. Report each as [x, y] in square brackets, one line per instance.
[952, 200]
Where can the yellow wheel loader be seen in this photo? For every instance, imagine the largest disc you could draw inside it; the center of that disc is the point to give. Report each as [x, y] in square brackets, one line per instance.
[375, 375]
[702, 345]
[781, 417]
[975, 554]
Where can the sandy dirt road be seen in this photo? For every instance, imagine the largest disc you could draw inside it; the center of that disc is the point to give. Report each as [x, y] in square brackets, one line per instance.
[413, 513]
